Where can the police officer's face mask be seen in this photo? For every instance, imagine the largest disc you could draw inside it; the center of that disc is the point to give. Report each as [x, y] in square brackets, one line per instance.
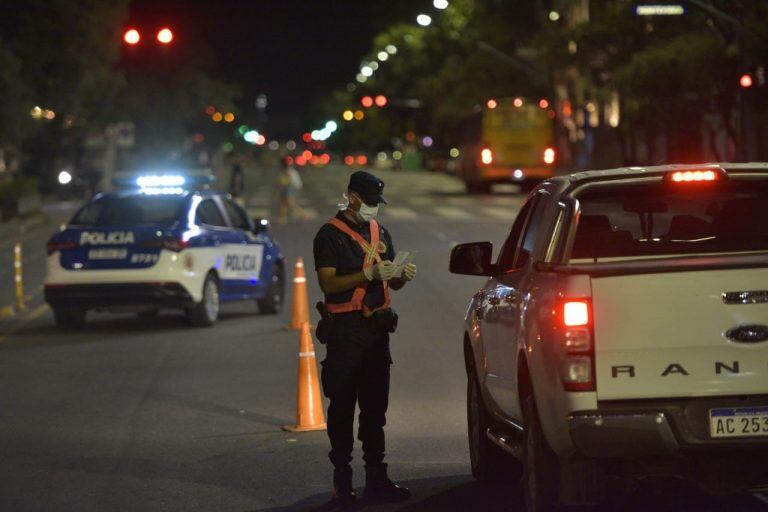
[367, 213]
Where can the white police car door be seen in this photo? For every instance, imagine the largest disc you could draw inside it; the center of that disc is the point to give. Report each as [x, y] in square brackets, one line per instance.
[243, 255]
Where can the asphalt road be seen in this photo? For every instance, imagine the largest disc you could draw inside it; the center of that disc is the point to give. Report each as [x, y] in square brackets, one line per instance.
[150, 414]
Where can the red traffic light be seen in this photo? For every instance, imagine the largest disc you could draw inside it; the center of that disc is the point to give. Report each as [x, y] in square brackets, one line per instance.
[745, 81]
[132, 36]
[367, 101]
[164, 35]
[381, 100]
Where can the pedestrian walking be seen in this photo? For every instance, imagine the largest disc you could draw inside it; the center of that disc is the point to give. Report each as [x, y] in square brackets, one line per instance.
[290, 185]
[353, 258]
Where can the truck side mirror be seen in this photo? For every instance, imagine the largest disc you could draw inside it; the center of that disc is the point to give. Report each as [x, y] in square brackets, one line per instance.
[472, 259]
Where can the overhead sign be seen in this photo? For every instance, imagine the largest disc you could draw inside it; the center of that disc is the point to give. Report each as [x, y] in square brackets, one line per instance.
[660, 10]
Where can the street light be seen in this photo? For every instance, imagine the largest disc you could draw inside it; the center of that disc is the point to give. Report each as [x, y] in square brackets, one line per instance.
[165, 35]
[745, 81]
[366, 71]
[383, 56]
[361, 78]
[391, 49]
[440, 4]
[132, 36]
[424, 20]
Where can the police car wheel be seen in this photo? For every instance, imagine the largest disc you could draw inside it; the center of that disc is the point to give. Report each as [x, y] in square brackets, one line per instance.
[69, 318]
[206, 312]
[272, 302]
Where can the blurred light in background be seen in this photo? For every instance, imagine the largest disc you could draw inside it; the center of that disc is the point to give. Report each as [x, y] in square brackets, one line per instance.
[381, 100]
[229, 117]
[492, 104]
[549, 156]
[440, 4]
[361, 160]
[361, 78]
[242, 130]
[374, 65]
[454, 152]
[164, 35]
[301, 161]
[383, 56]
[366, 71]
[424, 20]
[210, 110]
[171, 180]
[366, 101]
[307, 137]
[217, 117]
[290, 145]
[198, 138]
[274, 145]
[351, 87]
[359, 115]
[391, 49]
[427, 141]
[132, 36]
[381, 156]
[349, 160]
[543, 103]
[49, 114]
[251, 136]
[65, 178]
[554, 15]
[260, 140]
[518, 174]
[397, 155]
[348, 115]
[745, 81]
[518, 102]
[486, 156]
[332, 126]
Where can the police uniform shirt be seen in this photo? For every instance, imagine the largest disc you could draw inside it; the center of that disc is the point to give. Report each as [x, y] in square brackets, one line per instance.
[336, 249]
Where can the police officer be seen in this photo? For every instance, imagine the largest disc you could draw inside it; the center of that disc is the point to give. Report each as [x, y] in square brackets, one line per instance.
[353, 259]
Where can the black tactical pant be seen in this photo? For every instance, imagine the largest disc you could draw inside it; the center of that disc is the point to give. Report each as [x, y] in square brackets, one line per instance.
[356, 370]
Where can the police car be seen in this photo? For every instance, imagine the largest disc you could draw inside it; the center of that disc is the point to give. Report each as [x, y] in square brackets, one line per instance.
[159, 245]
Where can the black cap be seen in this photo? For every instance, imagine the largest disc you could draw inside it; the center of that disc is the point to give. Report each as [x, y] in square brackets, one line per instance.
[368, 187]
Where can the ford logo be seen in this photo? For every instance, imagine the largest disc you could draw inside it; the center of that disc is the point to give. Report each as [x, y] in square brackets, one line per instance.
[748, 333]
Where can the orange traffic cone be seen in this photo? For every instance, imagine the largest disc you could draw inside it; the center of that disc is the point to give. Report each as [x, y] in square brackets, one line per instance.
[300, 313]
[309, 406]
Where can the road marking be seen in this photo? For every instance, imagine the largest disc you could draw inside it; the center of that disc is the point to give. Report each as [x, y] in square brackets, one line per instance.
[450, 212]
[461, 201]
[398, 212]
[420, 200]
[500, 213]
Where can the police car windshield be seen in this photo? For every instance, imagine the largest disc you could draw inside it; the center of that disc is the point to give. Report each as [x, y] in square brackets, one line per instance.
[663, 219]
[131, 210]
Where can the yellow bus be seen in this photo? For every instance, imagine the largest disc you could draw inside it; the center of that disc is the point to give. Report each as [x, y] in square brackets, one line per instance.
[509, 141]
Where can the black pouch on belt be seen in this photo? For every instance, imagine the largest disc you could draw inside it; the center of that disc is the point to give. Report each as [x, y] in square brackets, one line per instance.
[324, 328]
[386, 319]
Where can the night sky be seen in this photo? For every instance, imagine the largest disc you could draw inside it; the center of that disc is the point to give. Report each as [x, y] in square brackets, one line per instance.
[295, 51]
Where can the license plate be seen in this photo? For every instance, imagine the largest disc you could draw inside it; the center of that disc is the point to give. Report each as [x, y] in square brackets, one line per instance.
[107, 254]
[739, 422]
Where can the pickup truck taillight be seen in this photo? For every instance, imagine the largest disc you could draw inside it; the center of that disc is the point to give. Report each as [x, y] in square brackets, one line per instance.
[575, 323]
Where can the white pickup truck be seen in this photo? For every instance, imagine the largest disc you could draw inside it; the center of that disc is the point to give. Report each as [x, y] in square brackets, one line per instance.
[622, 333]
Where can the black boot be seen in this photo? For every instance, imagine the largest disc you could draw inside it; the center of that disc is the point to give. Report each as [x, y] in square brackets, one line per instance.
[378, 487]
[343, 497]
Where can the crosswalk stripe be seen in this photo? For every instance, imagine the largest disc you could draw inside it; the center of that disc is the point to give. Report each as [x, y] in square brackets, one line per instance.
[420, 200]
[500, 213]
[450, 212]
[461, 201]
[398, 212]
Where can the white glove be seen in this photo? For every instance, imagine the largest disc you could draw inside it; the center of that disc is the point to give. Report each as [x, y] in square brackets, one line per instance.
[382, 271]
[409, 272]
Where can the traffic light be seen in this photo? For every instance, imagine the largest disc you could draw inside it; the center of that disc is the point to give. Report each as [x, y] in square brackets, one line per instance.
[132, 36]
[745, 81]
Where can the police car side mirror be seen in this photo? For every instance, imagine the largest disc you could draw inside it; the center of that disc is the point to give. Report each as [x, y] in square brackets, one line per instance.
[260, 225]
[472, 259]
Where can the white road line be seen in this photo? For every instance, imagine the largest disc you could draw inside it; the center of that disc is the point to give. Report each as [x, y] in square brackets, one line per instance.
[450, 212]
[399, 212]
[421, 200]
[500, 213]
[461, 201]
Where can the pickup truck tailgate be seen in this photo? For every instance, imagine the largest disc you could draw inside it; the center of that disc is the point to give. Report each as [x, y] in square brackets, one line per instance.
[664, 335]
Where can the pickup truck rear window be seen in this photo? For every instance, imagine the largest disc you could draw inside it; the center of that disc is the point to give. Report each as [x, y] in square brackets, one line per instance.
[655, 219]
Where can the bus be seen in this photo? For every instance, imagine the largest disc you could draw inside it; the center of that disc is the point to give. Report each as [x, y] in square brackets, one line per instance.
[509, 141]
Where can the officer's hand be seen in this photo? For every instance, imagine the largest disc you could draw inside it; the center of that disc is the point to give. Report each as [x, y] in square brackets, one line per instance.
[382, 271]
[409, 272]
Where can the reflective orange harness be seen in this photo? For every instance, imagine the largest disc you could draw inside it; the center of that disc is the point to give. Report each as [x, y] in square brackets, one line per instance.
[372, 256]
